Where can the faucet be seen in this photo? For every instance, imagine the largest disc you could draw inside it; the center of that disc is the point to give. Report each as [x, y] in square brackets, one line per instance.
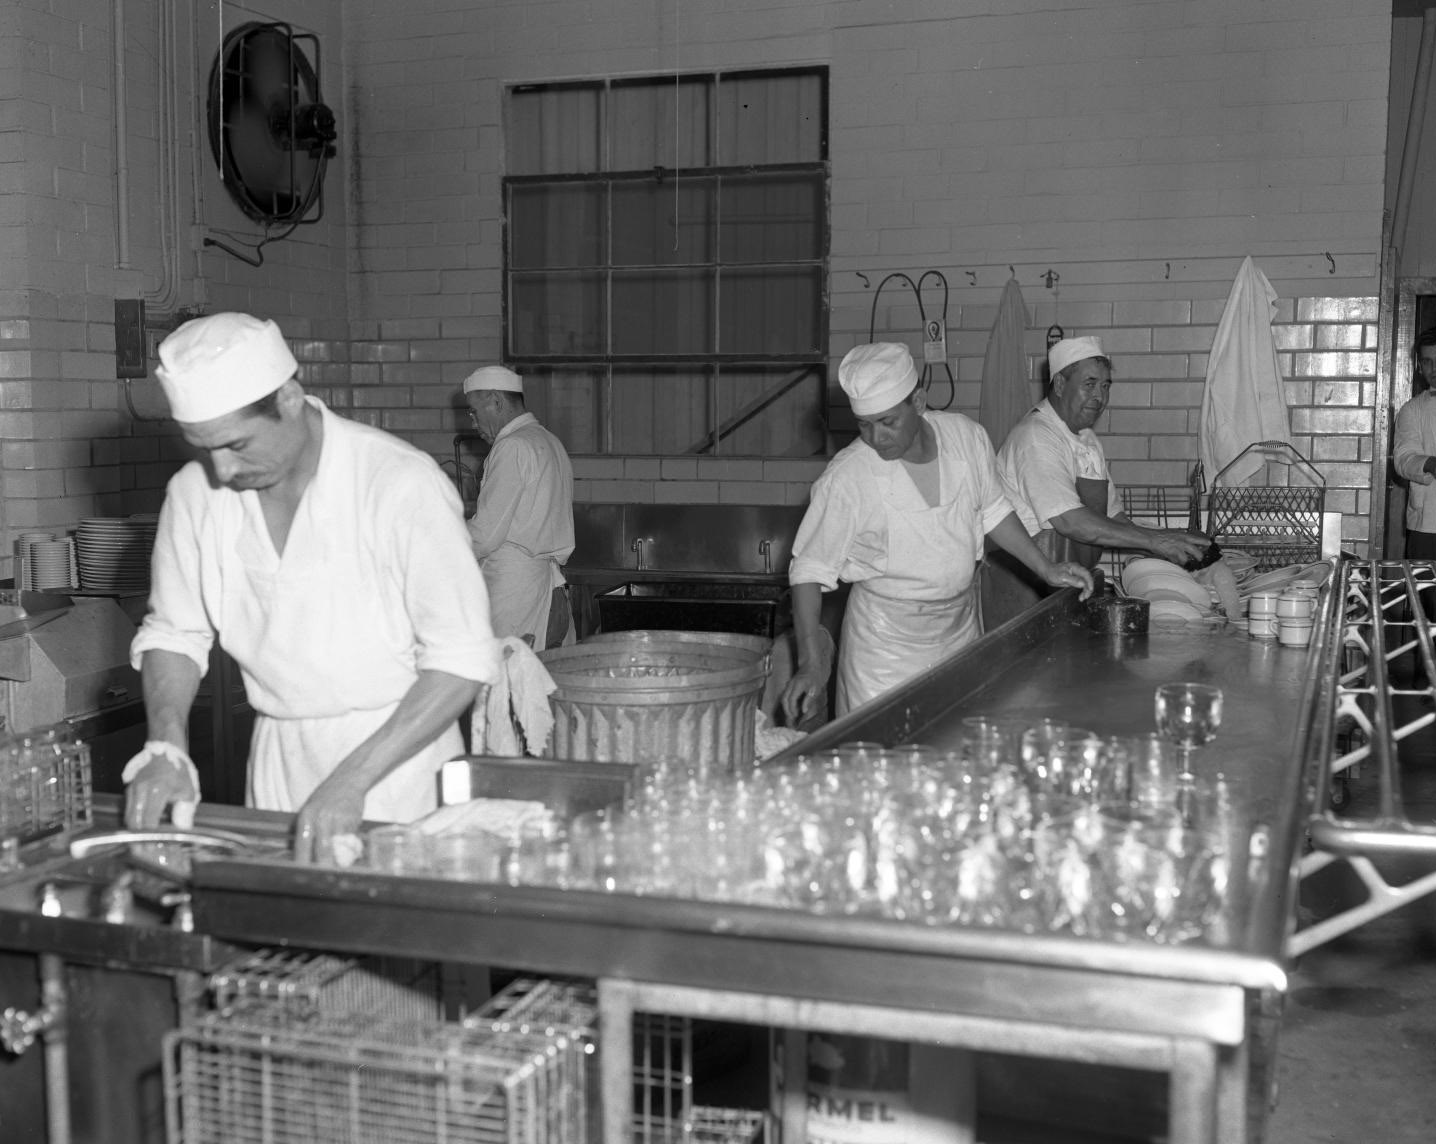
[765, 549]
[638, 547]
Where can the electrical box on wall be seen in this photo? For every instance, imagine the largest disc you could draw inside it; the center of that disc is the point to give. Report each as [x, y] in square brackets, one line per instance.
[131, 357]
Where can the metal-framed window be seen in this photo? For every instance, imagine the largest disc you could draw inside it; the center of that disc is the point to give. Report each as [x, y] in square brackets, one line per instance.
[665, 260]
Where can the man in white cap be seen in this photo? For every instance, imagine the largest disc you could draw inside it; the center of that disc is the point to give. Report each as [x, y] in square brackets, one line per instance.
[330, 560]
[901, 514]
[1055, 472]
[522, 530]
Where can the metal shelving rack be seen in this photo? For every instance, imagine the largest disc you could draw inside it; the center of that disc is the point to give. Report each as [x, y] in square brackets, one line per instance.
[1376, 616]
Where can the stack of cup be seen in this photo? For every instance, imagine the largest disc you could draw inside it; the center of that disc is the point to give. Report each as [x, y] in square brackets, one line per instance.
[1295, 611]
[1262, 615]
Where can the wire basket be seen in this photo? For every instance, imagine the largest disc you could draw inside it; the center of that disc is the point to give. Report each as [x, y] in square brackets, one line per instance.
[292, 987]
[360, 1081]
[45, 782]
[1151, 506]
[1276, 524]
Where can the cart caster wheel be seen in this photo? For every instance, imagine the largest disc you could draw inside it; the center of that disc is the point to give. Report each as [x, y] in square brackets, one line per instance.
[1339, 793]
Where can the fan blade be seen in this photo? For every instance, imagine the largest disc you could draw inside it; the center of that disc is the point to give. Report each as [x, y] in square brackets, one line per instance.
[264, 60]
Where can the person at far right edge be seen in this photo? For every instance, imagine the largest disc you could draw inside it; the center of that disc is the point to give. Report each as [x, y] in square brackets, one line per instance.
[1055, 473]
[1414, 451]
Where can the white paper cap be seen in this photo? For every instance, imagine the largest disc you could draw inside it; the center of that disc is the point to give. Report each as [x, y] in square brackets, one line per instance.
[1070, 350]
[217, 364]
[494, 377]
[877, 376]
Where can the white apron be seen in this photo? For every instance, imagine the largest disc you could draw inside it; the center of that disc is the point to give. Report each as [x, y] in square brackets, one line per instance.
[888, 635]
[520, 592]
[290, 757]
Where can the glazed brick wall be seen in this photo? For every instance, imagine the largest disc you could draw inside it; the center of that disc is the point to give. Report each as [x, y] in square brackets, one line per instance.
[1135, 148]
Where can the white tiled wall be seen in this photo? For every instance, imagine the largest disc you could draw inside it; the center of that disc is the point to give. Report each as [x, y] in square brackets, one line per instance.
[1135, 149]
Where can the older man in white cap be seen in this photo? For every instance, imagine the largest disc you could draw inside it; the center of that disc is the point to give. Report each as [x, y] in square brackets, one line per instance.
[522, 530]
[1055, 472]
[901, 514]
[330, 560]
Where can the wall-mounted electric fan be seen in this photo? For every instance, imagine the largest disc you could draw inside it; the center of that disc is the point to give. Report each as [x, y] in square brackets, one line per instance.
[271, 134]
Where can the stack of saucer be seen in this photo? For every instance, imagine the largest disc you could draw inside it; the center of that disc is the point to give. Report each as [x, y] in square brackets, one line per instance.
[114, 552]
[46, 561]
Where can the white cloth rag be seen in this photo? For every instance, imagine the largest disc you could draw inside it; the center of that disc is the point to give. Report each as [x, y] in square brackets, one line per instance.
[1243, 401]
[1006, 391]
[517, 718]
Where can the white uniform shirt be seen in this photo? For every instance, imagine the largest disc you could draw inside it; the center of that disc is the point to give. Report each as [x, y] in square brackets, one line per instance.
[376, 583]
[1040, 462]
[526, 496]
[1415, 441]
[844, 533]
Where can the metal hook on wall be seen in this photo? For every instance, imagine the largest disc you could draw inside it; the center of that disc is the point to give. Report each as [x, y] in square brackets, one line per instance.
[1051, 278]
[1330, 260]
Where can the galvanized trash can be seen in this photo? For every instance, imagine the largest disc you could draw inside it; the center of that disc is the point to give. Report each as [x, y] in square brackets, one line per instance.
[659, 697]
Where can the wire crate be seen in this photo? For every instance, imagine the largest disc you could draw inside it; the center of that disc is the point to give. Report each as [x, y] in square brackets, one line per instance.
[1151, 506]
[45, 782]
[360, 1081]
[1276, 524]
[289, 986]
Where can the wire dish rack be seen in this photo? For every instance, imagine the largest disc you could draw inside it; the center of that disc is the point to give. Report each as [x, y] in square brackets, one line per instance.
[1278, 523]
[45, 782]
[308, 1047]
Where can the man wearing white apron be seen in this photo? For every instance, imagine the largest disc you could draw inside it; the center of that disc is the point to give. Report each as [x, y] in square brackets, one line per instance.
[900, 513]
[522, 530]
[1055, 473]
[330, 560]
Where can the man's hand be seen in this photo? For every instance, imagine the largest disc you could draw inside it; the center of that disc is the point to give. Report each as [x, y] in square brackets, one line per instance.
[803, 693]
[161, 777]
[333, 811]
[1178, 546]
[1069, 575]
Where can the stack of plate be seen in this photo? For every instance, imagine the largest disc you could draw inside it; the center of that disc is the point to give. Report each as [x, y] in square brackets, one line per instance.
[1174, 593]
[114, 552]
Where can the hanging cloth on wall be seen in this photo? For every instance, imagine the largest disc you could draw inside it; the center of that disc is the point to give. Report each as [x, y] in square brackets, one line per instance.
[1006, 391]
[1243, 400]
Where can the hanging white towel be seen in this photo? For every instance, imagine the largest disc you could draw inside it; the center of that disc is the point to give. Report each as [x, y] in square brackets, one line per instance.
[518, 705]
[1243, 401]
[1006, 392]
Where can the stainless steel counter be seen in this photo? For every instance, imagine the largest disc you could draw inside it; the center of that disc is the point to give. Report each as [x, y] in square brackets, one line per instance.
[1199, 1012]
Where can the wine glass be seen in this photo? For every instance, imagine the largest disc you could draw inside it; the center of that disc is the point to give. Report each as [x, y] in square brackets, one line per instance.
[1188, 714]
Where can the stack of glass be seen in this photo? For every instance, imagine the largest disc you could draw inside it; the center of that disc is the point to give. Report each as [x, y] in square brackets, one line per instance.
[1032, 826]
[44, 782]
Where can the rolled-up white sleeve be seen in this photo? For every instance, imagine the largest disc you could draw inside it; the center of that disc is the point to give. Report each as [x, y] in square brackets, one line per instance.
[1410, 446]
[827, 534]
[176, 619]
[1044, 477]
[443, 588]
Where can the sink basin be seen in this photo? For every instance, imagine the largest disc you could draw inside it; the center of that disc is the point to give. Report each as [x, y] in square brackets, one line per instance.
[694, 605]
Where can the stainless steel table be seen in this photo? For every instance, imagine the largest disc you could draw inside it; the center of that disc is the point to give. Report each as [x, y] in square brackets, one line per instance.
[1203, 1012]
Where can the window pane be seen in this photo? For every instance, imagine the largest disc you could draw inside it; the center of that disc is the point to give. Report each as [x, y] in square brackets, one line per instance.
[568, 403]
[642, 132]
[644, 217]
[771, 412]
[659, 410]
[555, 224]
[772, 218]
[770, 119]
[552, 313]
[770, 311]
[553, 130]
[663, 312]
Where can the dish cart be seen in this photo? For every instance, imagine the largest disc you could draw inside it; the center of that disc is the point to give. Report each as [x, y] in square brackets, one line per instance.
[1278, 524]
[1203, 1013]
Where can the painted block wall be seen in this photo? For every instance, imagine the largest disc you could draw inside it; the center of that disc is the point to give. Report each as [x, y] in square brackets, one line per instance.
[1135, 148]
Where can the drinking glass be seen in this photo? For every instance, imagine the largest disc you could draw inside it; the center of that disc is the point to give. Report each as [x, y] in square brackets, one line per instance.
[1188, 714]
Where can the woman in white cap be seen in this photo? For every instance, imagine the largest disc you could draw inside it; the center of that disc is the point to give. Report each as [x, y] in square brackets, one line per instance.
[330, 560]
[901, 514]
[522, 529]
[1055, 472]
